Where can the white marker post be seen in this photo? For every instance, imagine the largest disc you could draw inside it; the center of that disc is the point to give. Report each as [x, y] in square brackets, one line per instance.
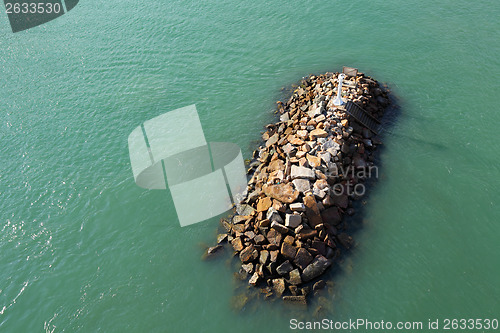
[338, 100]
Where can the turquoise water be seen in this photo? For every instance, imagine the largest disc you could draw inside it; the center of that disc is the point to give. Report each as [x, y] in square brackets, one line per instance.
[82, 248]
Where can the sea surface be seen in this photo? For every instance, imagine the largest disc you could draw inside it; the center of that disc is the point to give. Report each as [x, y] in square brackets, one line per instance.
[84, 249]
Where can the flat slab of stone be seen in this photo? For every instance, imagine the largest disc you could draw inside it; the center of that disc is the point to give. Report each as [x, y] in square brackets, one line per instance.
[295, 300]
[317, 133]
[302, 172]
[283, 192]
[302, 185]
[264, 204]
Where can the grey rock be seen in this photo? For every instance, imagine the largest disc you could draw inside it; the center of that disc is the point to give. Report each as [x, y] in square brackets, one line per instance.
[302, 173]
[293, 220]
[284, 117]
[316, 268]
[273, 215]
[326, 157]
[320, 194]
[302, 185]
[284, 268]
[244, 209]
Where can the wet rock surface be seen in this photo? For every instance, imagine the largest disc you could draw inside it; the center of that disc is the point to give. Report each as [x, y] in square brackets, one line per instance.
[312, 164]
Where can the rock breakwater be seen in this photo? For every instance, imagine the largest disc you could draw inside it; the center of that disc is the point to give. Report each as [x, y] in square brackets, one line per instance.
[313, 163]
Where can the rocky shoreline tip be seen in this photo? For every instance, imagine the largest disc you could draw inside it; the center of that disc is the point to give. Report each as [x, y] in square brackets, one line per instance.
[290, 229]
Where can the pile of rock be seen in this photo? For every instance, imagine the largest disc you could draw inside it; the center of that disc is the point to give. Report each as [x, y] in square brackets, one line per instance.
[289, 229]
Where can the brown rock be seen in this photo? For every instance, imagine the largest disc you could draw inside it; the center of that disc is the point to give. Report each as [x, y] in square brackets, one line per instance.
[327, 201]
[249, 254]
[276, 165]
[284, 268]
[237, 219]
[303, 134]
[306, 234]
[273, 255]
[283, 192]
[341, 201]
[316, 268]
[319, 285]
[264, 256]
[264, 204]
[249, 234]
[294, 140]
[288, 251]
[265, 223]
[279, 286]
[320, 246]
[303, 258]
[317, 133]
[239, 228]
[289, 239]
[279, 227]
[279, 206]
[312, 211]
[331, 215]
[248, 268]
[272, 140]
[221, 238]
[213, 249]
[237, 244]
[314, 161]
